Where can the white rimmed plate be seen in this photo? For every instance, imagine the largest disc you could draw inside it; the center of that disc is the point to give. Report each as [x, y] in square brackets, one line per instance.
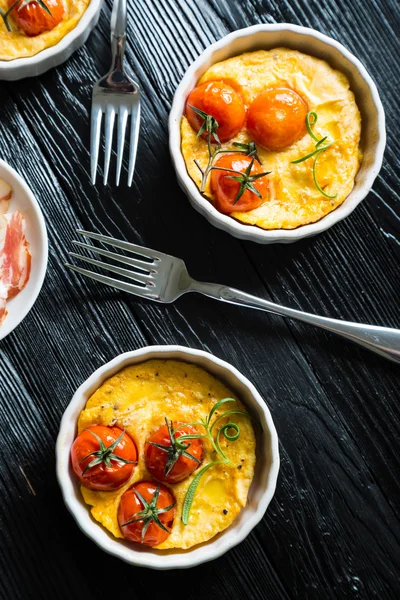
[36, 235]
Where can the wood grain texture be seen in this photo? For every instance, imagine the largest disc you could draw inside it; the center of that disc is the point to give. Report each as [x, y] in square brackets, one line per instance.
[332, 530]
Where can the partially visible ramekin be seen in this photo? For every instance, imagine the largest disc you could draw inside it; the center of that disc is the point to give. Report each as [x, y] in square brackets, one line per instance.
[261, 491]
[10, 70]
[309, 41]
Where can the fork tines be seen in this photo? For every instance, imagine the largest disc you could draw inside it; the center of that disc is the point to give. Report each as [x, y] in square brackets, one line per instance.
[114, 105]
[143, 265]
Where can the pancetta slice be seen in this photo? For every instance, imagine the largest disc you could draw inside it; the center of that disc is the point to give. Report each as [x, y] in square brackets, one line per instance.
[15, 261]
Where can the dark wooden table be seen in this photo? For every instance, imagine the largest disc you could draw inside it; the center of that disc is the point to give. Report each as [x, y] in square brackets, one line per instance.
[332, 529]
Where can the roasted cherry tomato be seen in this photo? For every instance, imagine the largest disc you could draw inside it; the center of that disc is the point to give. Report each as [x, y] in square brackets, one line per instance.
[33, 19]
[146, 513]
[277, 118]
[222, 102]
[167, 458]
[103, 457]
[227, 190]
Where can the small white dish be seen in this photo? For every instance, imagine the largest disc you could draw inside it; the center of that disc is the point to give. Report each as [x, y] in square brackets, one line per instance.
[261, 491]
[10, 70]
[36, 235]
[309, 41]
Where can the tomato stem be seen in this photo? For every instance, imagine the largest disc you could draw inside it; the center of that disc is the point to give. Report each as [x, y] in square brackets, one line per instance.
[245, 179]
[174, 449]
[150, 512]
[210, 126]
[105, 454]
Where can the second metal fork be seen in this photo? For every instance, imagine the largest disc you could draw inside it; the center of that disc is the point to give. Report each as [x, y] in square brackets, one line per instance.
[115, 95]
[164, 278]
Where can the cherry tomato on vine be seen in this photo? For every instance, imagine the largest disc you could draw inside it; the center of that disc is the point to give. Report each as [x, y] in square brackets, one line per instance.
[146, 513]
[231, 195]
[103, 458]
[167, 458]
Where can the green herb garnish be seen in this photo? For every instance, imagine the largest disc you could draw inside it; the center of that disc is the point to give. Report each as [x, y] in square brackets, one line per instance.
[105, 454]
[320, 147]
[5, 14]
[174, 450]
[149, 513]
[231, 432]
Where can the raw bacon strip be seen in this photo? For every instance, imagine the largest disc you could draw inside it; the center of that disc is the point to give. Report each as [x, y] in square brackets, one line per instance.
[16, 259]
[5, 195]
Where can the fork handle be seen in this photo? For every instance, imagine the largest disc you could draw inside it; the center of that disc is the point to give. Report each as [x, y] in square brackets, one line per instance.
[118, 34]
[382, 340]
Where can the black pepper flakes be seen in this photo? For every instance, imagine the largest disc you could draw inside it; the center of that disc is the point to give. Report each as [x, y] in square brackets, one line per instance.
[116, 407]
[225, 511]
[239, 466]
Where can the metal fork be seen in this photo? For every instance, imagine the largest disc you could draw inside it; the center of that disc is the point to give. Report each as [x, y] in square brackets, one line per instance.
[164, 278]
[115, 95]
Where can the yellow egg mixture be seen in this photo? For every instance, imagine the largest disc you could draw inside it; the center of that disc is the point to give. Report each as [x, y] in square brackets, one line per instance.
[16, 44]
[138, 399]
[293, 198]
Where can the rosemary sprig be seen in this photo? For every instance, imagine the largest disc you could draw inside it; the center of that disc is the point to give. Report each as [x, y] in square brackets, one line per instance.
[149, 513]
[5, 14]
[105, 454]
[214, 439]
[320, 147]
[174, 450]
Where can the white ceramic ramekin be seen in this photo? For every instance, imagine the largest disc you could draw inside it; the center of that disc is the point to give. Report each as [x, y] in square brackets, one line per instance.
[53, 56]
[309, 41]
[261, 491]
[36, 235]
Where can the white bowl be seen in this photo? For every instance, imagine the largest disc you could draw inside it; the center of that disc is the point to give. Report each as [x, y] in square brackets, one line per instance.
[309, 41]
[53, 56]
[36, 235]
[261, 491]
